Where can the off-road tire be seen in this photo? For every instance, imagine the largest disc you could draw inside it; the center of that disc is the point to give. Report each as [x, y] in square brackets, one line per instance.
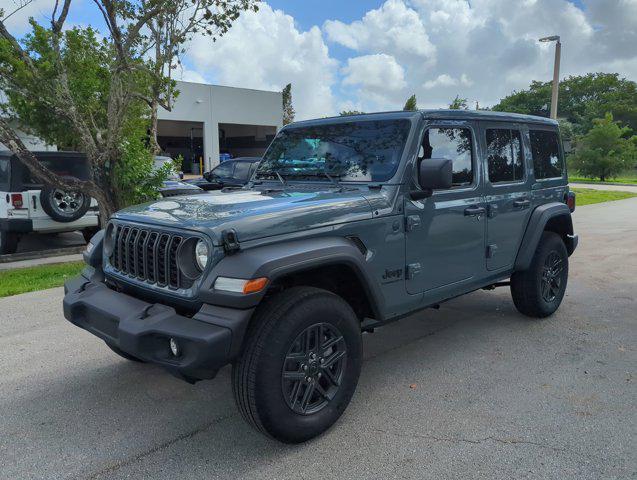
[527, 286]
[8, 243]
[48, 201]
[258, 375]
[125, 355]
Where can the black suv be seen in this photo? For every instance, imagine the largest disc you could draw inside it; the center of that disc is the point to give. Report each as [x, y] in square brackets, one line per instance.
[231, 173]
[348, 223]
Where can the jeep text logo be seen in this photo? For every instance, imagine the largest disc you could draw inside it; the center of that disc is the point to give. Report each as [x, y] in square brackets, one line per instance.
[393, 274]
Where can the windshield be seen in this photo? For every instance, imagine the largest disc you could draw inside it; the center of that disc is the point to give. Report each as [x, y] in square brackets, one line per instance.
[363, 151]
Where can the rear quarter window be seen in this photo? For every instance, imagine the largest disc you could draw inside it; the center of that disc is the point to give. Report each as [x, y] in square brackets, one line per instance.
[4, 174]
[547, 154]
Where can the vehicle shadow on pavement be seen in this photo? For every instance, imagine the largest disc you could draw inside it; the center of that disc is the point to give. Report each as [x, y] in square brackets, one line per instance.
[118, 415]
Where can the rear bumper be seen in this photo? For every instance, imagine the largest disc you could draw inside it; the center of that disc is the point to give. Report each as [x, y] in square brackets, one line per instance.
[208, 340]
[17, 225]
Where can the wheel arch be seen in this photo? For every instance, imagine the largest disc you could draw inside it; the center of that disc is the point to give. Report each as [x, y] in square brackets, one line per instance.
[333, 263]
[554, 217]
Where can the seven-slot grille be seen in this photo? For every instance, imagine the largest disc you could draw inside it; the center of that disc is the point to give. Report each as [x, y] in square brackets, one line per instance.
[148, 256]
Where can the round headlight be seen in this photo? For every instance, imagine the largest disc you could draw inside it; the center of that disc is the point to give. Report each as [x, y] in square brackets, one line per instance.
[201, 254]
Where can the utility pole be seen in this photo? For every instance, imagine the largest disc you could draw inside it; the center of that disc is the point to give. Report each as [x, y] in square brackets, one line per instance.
[556, 72]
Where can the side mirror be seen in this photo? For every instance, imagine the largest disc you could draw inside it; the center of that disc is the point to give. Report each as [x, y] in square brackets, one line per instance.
[433, 174]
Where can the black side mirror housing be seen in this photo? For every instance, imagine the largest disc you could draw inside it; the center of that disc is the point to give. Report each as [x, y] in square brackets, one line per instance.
[433, 174]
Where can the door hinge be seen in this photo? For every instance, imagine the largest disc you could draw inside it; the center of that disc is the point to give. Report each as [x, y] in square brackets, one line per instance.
[411, 222]
[412, 270]
[491, 250]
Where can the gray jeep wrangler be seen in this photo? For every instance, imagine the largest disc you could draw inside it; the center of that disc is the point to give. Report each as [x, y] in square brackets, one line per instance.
[348, 223]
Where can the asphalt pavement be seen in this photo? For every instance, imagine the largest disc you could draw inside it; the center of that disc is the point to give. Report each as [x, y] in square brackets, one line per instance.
[473, 390]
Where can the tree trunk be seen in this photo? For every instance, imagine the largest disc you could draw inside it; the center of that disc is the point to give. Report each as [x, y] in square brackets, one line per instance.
[154, 144]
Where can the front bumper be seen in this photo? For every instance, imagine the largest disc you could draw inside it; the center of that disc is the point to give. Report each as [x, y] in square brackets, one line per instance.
[208, 340]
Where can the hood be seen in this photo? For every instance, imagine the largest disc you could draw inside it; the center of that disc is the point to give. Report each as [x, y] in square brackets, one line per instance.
[253, 213]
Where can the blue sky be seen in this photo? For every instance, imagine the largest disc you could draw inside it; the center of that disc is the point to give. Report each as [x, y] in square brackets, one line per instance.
[372, 55]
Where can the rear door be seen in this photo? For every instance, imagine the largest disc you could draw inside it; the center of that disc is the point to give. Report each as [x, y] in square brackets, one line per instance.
[446, 232]
[507, 191]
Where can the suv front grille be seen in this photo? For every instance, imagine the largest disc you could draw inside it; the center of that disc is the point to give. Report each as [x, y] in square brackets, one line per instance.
[148, 256]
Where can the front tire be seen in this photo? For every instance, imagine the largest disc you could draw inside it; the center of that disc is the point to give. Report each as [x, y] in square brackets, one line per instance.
[300, 364]
[538, 291]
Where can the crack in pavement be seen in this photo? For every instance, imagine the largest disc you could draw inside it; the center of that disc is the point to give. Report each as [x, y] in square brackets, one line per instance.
[477, 441]
[113, 467]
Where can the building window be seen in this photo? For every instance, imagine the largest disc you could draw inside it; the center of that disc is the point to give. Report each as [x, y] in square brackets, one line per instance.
[504, 155]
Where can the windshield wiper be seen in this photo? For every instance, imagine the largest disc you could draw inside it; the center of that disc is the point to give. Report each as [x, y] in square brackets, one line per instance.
[333, 180]
[285, 184]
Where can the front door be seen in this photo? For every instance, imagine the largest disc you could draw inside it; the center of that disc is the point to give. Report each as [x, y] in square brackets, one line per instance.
[507, 192]
[445, 233]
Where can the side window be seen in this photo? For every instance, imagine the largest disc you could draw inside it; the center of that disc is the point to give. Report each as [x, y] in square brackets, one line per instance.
[224, 169]
[4, 174]
[504, 155]
[547, 157]
[241, 170]
[455, 144]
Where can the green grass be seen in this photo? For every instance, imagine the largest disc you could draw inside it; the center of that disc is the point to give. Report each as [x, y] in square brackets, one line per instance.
[588, 196]
[22, 280]
[628, 176]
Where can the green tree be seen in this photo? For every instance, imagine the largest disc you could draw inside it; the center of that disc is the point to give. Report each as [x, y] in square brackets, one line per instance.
[411, 104]
[140, 48]
[346, 113]
[605, 151]
[288, 109]
[581, 100]
[459, 104]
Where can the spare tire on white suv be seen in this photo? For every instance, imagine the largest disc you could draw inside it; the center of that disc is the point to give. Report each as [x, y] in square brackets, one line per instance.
[64, 205]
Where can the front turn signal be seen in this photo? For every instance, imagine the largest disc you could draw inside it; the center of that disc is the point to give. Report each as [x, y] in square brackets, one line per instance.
[240, 285]
[255, 285]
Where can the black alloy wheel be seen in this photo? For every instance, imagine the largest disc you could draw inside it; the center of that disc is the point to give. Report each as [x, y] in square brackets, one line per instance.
[313, 368]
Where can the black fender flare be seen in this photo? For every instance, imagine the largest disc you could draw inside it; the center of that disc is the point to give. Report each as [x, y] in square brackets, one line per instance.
[277, 260]
[540, 218]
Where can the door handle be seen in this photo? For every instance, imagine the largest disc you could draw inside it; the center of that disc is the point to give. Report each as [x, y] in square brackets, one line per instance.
[474, 211]
[522, 204]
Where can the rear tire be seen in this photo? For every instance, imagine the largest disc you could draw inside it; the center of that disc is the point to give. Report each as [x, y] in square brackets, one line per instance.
[8, 243]
[538, 291]
[300, 364]
[125, 355]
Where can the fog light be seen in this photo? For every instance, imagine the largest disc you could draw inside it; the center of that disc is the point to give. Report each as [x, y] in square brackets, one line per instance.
[174, 347]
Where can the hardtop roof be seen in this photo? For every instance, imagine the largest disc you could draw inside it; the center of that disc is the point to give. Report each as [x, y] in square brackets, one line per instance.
[440, 114]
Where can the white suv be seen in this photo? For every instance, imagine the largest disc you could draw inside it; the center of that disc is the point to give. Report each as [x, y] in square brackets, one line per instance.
[27, 205]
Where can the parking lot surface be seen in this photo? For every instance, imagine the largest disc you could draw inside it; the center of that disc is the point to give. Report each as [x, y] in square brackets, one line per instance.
[473, 390]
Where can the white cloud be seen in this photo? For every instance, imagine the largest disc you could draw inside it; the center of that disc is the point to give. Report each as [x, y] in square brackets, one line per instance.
[187, 75]
[374, 72]
[18, 23]
[445, 80]
[379, 79]
[393, 27]
[485, 49]
[265, 50]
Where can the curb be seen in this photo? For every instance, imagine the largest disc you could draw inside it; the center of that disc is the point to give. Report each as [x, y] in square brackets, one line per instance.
[57, 252]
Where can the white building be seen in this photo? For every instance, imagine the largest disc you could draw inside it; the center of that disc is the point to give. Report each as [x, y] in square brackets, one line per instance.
[207, 120]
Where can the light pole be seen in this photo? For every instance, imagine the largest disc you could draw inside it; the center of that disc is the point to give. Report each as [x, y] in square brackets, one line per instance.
[556, 72]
